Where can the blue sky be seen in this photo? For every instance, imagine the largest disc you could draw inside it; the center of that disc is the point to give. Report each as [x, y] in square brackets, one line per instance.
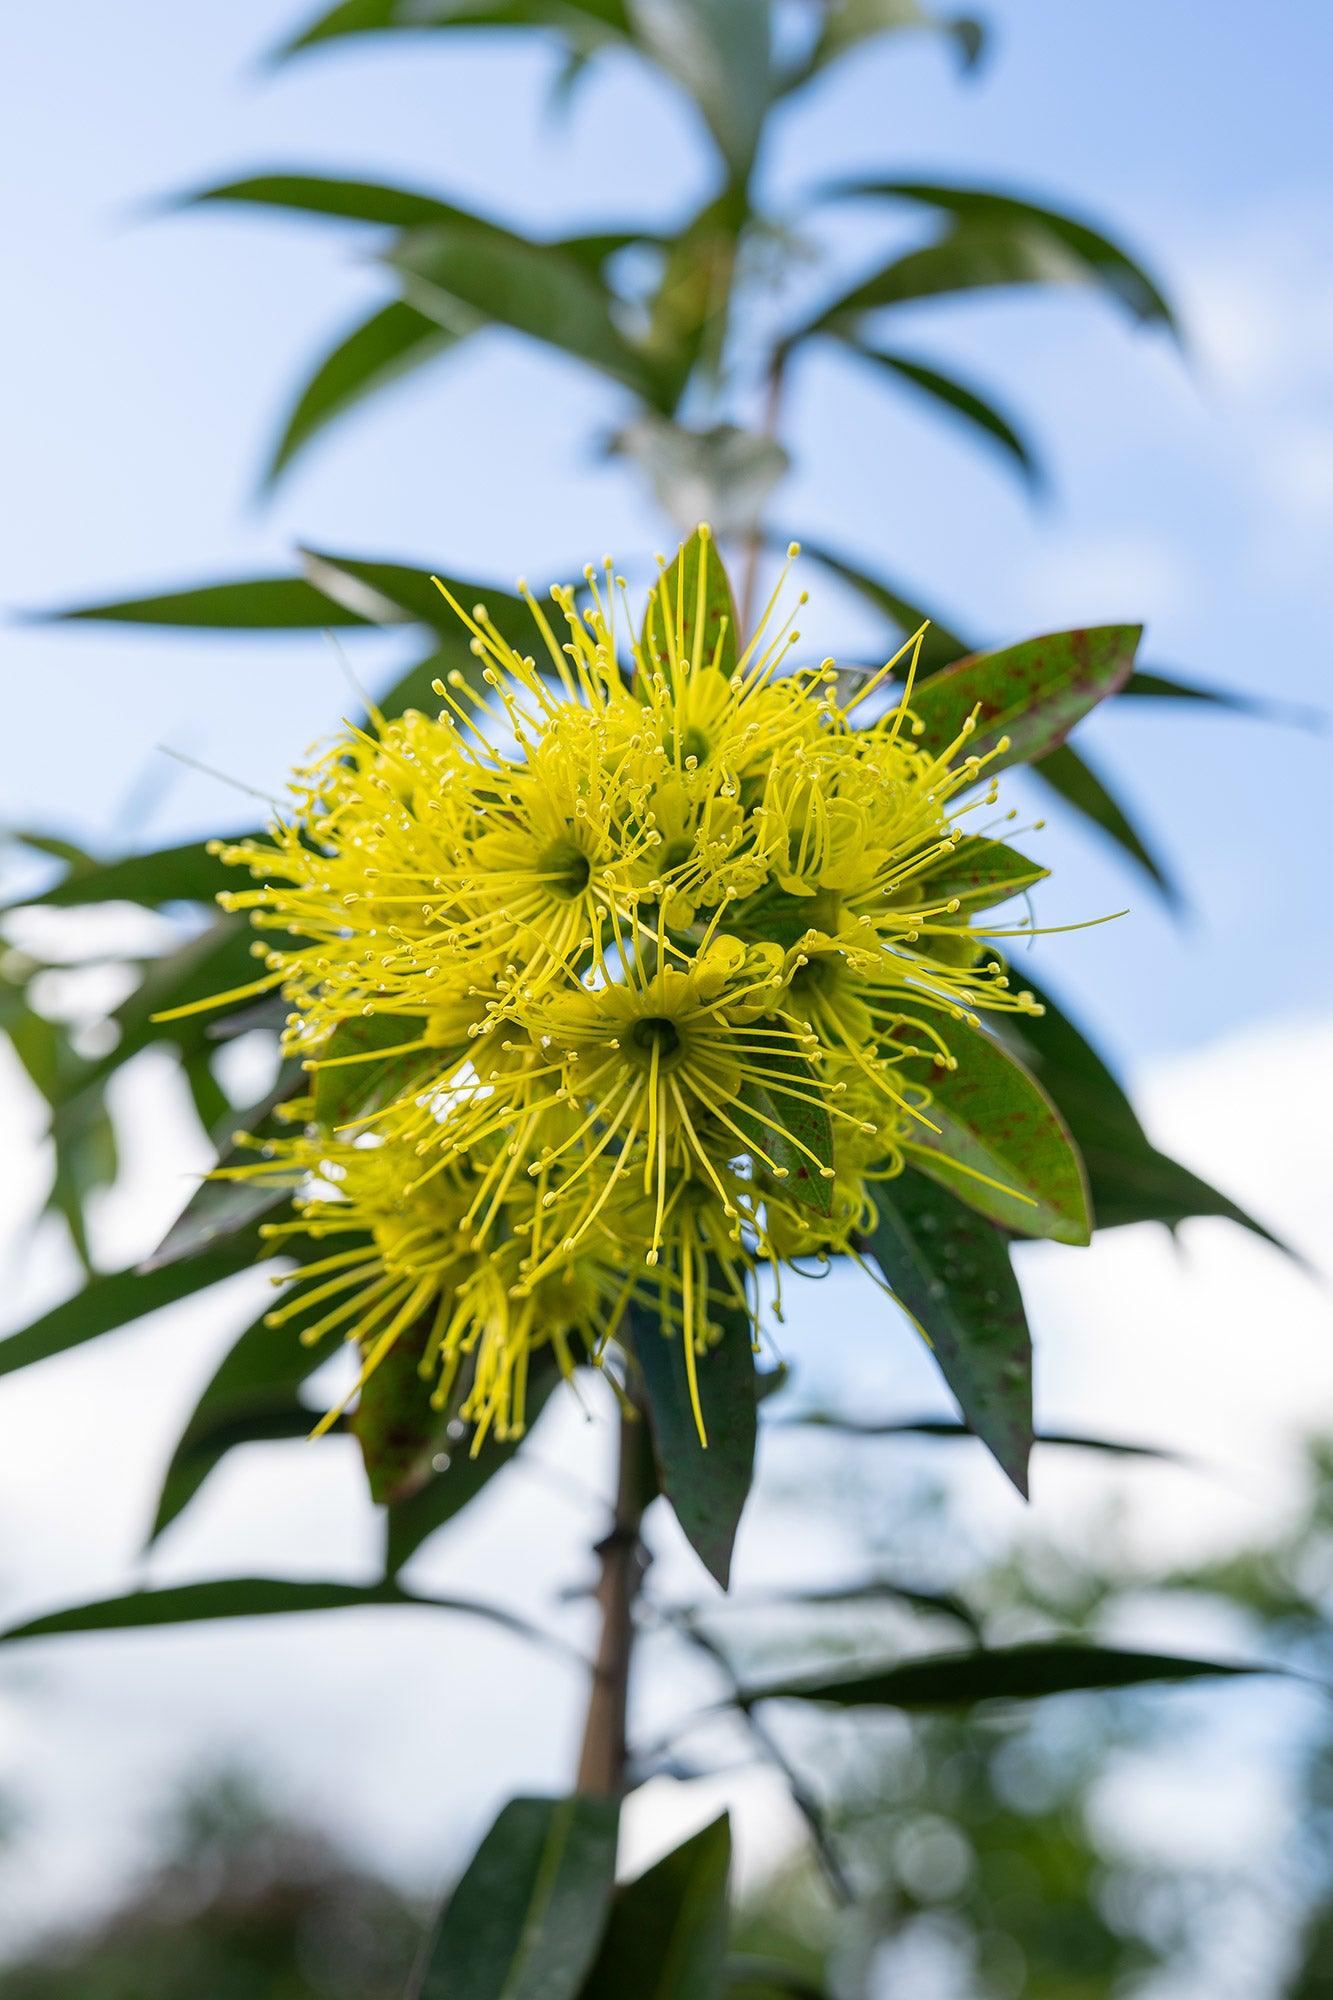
[152, 356]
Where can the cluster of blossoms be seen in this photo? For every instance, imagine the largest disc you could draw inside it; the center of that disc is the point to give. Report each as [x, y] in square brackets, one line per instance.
[639, 943]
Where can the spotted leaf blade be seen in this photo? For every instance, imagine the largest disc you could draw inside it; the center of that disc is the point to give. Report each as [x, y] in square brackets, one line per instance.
[949, 1268]
[707, 1486]
[1032, 694]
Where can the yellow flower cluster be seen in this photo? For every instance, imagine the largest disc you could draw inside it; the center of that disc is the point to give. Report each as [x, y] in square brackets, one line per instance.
[643, 929]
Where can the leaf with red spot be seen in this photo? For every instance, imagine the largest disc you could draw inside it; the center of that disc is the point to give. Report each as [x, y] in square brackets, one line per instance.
[1032, 694]
[1001, 1146]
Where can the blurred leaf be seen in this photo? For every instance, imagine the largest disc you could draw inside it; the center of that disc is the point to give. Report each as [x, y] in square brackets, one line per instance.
[1033, 693]
[244, 1597]
[376, 352]
[118, 1298]
[950, 1271]
[965, 403]
[721, 54]
[1072, 778]
[723, 475]
[706, 1488]
[847, 23]
[585, 23]
[667, 1931]
[945, 1427]
[260, 604]
[463, 280]
[217, 1213]
[996, 1119]
[940, 647]
[346, 200]
[995, 239]
[281, 1418]
[689, 310]
[876, 1590]
[789, 1128]
[188, 873]
[411, 1520]
[397, 593]
[691, 604]
[525, 1921]
[1007, 1673]
[86, 1162]
[763, 1979]
[980, 873]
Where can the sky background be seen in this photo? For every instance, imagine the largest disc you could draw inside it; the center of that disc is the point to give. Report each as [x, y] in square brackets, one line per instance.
[148, 359]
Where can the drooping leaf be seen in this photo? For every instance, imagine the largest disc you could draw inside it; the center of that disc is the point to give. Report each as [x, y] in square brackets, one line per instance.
[667, 1932]
[243, 1597]
[691, 609]
[525, 1921]
[1032, 693]
[1071, 777]
[964, 403]
[998, 239]
[341, 199]
[1001, 1673]
[463, 281]
[118, 1298]
[707, 1488]
[950, 1270]
[375, 353]
[411, 1520]
[995, 1120]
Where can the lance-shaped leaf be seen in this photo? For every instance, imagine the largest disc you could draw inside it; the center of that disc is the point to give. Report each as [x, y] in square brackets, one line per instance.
[116, 1300]
[525, 1921]
[184, 874]
[848, 23]
[965, 404]
[1000, 1673]
[340, 199]
[244, 1597]
[462, 280]
[395, 1424]
[1001, 1146]
[1032, 694]
[997, 239]
[583, 23]
[948, 1428]
[375, 353]
[667, 1932]
[257, 604]
[950, 1270]
[405, 593]
[691, 613]
[708, 1487]
[1070, 776]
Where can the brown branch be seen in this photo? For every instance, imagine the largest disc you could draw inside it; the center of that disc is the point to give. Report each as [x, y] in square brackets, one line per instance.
[602, 1759]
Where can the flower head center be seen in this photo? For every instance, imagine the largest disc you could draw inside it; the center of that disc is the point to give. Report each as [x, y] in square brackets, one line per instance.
[566, 868]
[656, 1032]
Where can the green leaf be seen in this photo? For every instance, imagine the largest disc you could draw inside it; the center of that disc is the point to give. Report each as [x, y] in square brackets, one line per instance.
[945, 1427]
[1032, 693]
[668, 1928]
[965, 403]
[981, 873]
[243, 1597]
[1071, 777]
[950, 1271]
[115, 1300]
[217, 1213]
[463, 280]
[721, 54]
[1002, 1673]
[849, 22]
[525, 1921]
[583, 23]
[415, 1517]
[184, 874]
[398, 593]
[395, 1424]
[695, 583]
[707, 1488]
[344, 200]
[997, 239]
[803, 1127]
[996, 1120]
[348, 1079]
[375, 353]
[260, 604]
[751, 1978]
